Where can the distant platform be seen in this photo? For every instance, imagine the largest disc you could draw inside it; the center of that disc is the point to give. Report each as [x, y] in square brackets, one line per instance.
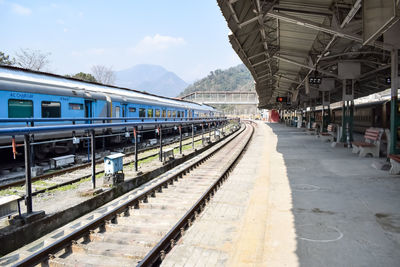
[295, 201]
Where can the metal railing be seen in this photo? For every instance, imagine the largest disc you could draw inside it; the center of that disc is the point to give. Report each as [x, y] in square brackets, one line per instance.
[73, 119]
[28, 131]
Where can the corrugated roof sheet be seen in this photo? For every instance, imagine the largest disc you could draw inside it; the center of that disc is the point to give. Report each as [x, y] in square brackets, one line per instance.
[281, 42]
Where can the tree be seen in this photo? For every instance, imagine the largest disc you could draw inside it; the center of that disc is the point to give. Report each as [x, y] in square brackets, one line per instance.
[83, 76]
[103, 74]
[5, 59]
[32, 59]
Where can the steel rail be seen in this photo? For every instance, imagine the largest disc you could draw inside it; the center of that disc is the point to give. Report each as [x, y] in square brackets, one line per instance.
[46, 252]
[156, 255]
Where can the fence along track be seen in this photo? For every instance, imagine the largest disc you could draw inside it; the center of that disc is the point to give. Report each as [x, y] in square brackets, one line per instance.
[126, 234]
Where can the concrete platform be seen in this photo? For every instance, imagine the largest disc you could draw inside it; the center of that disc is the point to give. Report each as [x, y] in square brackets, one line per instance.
[294, 201]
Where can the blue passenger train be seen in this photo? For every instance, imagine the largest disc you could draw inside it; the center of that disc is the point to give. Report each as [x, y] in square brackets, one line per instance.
[30, 94]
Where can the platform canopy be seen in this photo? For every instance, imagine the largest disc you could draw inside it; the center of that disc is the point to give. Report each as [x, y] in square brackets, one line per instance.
[285, 43]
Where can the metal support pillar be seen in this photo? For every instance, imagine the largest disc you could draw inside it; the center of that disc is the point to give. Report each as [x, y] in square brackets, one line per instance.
[347, 114]
[136, 147]
[328, 116]
[326, 113]
[161, 146]
[192, 136]
[312, 116]
[88, 149]
[28, 176]
[32, 158]
[93, 153]
[103, 142]
[323, 127]
[180, 139]
[394, 114]
[209, 130]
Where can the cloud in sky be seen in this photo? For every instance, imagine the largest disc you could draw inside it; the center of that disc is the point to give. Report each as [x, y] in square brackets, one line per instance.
[157, 43]
[21, 10]
[88, 52]
[96, 51]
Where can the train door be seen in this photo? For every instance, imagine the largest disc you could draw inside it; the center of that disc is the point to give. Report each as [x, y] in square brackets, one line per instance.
[117, 112]
[88, 110]
[124, 110]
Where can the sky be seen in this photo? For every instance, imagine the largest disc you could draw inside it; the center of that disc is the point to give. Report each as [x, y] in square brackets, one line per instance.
[188, 37]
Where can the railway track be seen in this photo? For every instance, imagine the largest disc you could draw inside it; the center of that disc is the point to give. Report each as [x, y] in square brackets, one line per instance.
[140, 227]
[72, 178]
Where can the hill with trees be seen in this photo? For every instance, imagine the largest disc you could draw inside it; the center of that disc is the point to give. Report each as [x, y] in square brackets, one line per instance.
[153, 79]
[233, 79]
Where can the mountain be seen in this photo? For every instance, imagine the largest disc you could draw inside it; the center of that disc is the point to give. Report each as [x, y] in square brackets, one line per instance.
[152, 79]
[233, 79]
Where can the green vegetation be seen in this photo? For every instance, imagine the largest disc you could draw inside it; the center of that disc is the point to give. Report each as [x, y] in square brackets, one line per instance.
[12, 191]
[142, 161]
[70, 186]
[5, 59]
[83, 76]
[43, 183]
[233, 79]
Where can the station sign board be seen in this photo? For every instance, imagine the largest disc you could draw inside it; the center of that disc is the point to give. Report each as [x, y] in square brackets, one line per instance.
[314, 80]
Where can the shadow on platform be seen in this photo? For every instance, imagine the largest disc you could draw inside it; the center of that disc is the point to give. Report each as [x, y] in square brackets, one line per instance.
[346, 213]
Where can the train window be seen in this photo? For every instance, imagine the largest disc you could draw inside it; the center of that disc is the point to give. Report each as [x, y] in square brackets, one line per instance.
[20, 108]
[132, 109]
[157, 113]
[51, 109]
[142, 112]
[169, 113]
[75, 106]
[117, 112]
[150, 113]
[164, 113]
[174, 114]
[179, 114]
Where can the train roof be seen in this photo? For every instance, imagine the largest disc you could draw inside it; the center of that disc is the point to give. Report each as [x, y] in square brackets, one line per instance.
[42, 78]
[373, 99]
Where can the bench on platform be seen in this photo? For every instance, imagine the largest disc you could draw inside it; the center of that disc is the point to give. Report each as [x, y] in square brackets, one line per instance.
[330, 134]
[371, 145]
[395, 164]
[168, 154]
[313, 129]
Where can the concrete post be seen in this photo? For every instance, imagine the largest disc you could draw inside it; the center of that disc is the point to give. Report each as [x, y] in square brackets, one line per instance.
[28, 175]
[93, 153]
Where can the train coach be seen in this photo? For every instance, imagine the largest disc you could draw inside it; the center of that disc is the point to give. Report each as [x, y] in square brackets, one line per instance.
[374, 113]
[38, 95]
